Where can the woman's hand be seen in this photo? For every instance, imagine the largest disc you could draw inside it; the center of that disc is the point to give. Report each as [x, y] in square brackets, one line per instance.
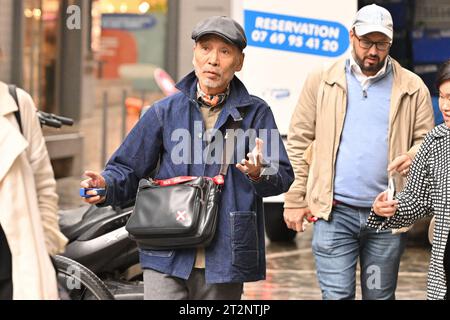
[383, 207]
[401, 165]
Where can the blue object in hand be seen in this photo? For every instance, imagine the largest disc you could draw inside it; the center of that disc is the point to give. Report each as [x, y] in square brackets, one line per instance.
[100, 192]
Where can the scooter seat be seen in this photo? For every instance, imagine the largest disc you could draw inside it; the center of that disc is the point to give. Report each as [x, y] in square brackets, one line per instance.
[74, 222]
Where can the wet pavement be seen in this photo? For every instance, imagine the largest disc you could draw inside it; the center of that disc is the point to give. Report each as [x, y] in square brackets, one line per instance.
[291, 273]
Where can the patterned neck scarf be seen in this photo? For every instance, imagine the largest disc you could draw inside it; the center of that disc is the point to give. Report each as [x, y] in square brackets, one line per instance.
[211, 101]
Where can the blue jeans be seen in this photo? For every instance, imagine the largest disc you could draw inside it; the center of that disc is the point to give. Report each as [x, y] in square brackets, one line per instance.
[338, 243]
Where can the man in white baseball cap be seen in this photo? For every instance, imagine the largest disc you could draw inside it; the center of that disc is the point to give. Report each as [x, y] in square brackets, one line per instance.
[355, 119]
[371, 36]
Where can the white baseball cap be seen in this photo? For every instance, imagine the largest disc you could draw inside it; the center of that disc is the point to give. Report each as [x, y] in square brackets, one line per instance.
[373, 18]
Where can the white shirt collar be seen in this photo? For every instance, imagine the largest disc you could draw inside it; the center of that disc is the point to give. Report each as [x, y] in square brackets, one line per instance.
[361, 77]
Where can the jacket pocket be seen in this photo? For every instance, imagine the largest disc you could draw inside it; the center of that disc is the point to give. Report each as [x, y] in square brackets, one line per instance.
[244, 237]
[158, 253]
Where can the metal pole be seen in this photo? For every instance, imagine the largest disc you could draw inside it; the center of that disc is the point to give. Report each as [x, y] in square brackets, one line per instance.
[100, 69]
[104, 128]
[40, 94]
[143, 98]
[124, 114]
[31, 59]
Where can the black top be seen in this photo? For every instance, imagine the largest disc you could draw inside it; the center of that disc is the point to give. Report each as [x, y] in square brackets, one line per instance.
[5, 257]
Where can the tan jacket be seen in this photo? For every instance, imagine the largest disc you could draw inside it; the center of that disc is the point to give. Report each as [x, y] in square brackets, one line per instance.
[317, 124]
[28, 200]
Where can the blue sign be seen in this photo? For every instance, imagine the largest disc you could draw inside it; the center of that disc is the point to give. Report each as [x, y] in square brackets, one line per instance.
[127, 21]
[438, 40]
[296, 34]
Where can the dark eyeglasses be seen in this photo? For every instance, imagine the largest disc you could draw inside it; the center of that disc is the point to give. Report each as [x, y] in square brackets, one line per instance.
[367, 44]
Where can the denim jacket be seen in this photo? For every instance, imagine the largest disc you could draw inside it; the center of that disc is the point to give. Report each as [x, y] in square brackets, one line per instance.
[237, 252]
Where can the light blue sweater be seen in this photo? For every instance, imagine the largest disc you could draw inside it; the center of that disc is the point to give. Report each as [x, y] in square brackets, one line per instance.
[362, 158]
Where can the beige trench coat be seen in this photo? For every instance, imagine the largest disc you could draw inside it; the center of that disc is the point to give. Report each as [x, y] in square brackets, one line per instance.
[28, 201]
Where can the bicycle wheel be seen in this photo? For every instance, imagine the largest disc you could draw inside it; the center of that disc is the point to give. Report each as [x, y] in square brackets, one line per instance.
[79, 282]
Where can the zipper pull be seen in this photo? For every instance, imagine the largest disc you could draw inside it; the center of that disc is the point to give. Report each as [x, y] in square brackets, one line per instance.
[364, 93]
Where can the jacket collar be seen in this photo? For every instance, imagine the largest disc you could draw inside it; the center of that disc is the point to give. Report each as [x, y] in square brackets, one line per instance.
[238, 97]
[407, 84]
[336, 74]
[7, 103]
[440, 131]
[403, 79]
[12, 145]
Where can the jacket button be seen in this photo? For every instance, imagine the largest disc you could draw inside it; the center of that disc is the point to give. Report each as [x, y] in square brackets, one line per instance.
[200, 135]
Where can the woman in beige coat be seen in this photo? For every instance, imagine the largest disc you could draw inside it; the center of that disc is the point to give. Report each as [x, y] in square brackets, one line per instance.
[28, 201]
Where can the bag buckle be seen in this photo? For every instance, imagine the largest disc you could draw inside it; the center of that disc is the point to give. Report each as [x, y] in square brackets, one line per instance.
[219, 180]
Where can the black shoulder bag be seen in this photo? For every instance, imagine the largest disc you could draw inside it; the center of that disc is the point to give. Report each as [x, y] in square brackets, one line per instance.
[181, 212]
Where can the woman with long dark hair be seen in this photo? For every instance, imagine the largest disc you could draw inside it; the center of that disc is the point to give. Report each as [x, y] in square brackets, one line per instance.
[426, 193]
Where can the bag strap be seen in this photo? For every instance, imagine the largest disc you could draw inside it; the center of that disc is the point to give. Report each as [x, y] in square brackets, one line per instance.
[13, 92]
[229, 146]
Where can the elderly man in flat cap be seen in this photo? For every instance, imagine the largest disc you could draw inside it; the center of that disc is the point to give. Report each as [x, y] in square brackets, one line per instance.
[210, 101]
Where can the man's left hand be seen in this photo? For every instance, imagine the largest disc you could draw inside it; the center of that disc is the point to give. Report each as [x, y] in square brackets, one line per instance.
[400, 164]
[252, 167]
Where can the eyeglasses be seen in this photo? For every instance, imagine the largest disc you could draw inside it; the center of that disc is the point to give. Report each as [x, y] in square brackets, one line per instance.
[367, 44]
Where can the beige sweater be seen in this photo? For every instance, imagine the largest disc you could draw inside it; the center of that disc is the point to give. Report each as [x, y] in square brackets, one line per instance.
[210, 116]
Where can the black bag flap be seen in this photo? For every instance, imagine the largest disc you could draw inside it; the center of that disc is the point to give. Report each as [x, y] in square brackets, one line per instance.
[167, 210]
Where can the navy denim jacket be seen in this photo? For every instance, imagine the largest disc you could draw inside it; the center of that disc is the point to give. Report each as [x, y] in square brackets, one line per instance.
[237, 252]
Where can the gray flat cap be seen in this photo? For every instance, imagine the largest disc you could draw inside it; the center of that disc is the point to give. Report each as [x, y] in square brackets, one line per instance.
[223, 27]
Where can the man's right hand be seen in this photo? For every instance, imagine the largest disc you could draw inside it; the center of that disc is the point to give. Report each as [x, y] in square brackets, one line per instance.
[294, 217]
[95, 181]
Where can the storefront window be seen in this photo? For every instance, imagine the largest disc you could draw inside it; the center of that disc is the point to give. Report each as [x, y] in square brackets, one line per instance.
[129, 40]
[40, 51]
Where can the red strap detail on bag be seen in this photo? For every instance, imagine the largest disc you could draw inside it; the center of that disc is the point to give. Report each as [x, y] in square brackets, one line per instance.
[219, 180]
[174, 181]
